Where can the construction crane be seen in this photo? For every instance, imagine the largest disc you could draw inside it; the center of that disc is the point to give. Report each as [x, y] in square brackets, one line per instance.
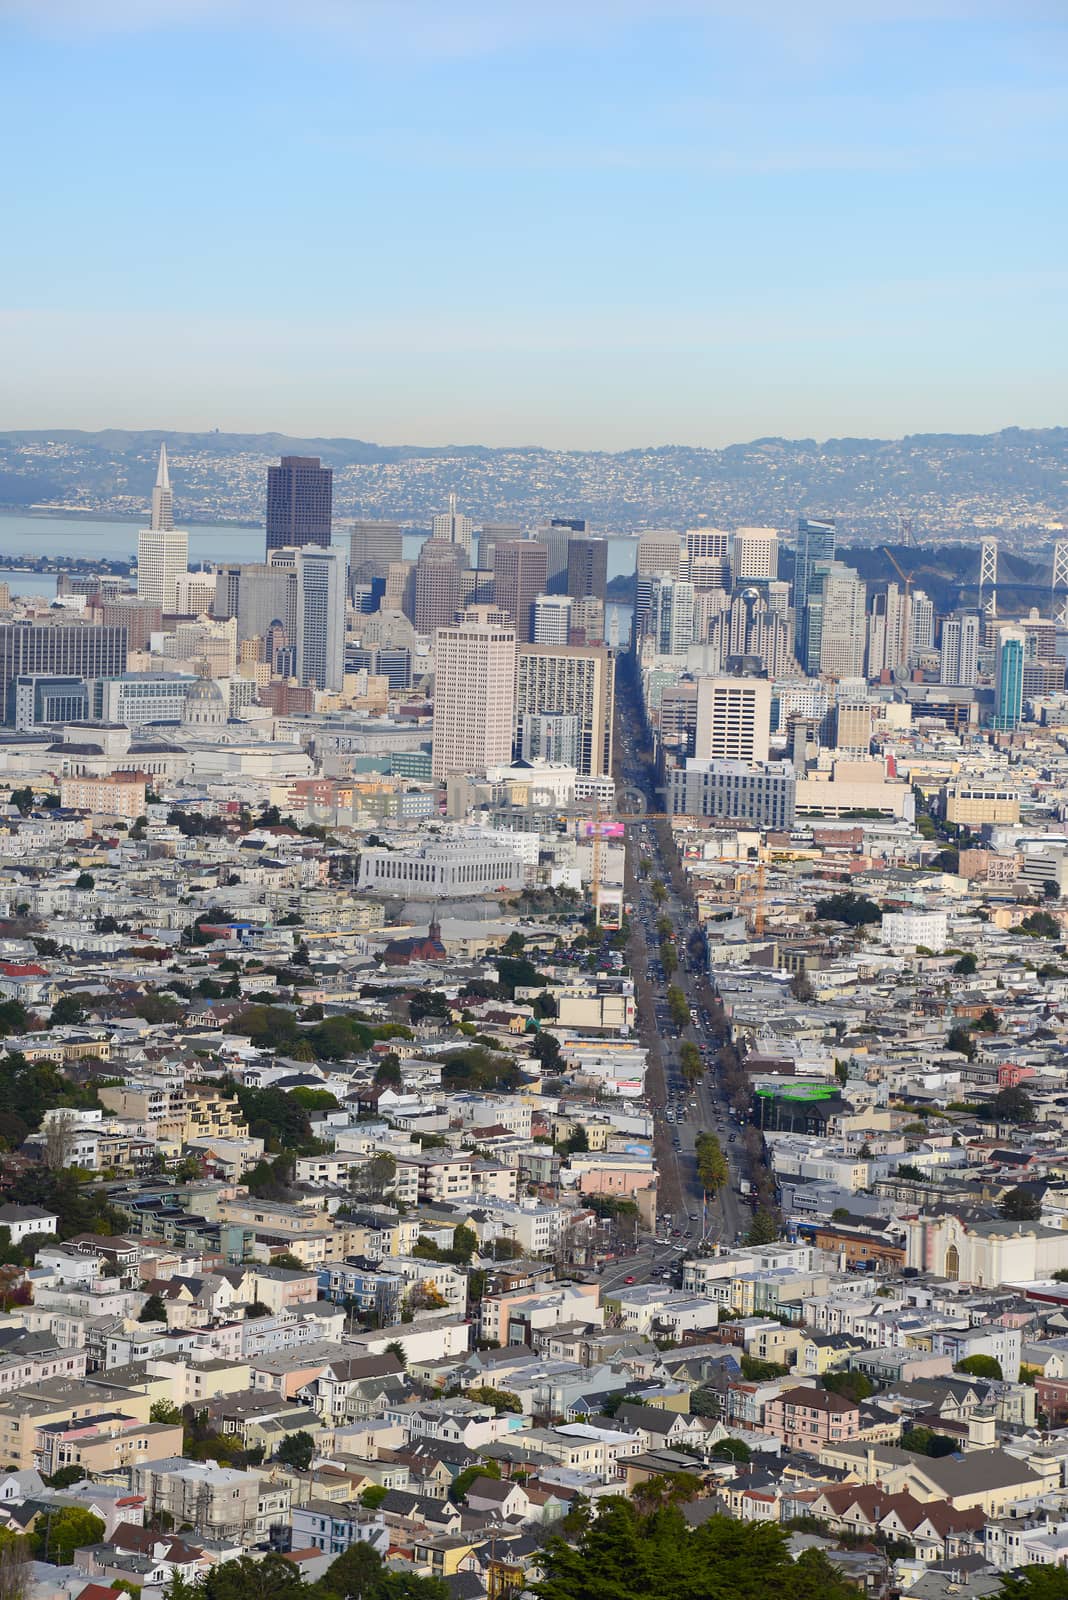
[906, 578]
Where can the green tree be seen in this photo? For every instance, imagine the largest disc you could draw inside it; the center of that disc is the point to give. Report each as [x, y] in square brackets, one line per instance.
[966, 965]
[164, 1411]
[373, 1496]
[68, 1011]
[668, 959]
[463, 1480]
[56, 1537]
[980, 1367]
[712, 1170]
[395, 1348]
[855, 910]
[372, 1179]
[388, 1074]
[153, 1310]
[960, 1040]
[853, 1385]
[677, 1006]
[1035, 1583]
[63, 1480]
[464, 1243]
[1013, 1105]
[1020, 1205]
[272, 1578]
[499, 1399]
[296, 1450]
[690, 1064]
[85, 880]
[764, 1228]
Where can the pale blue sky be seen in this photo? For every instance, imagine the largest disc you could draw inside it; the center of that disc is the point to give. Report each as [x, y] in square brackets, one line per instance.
[587, 224]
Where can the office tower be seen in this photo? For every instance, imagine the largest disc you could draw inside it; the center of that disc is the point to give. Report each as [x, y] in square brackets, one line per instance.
[474, 688]
[708, 551]
[1008, 678]
[40, 701]
[519, 576]
[194, 593]
[259, 594]
[436, 590]
[320, 619]
[853, 727]
[816, 541]
[476, 587]
[399, 593]
[300, 500]
[162, 517]
[58, 648]
[669, 619]
[570, 524]
[921, 626]
[733, 719]
[579, 682]
[162, 550]
[754, 554]
[886, 644]
[372, 546]
[835, 621]
[140, 618]
[452, 528]
[747, 627]
[555, 536]
[660, 551]
[552, 618]
[490, 535]
[587, 569]
[587, 621]
[550, 738]
[959, 666]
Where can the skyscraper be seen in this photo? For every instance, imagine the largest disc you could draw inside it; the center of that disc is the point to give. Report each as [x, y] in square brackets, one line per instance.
[58, 649]
[436, 592]
[835, 632]
[959, 665]
[300, 499]
[578, 682]
[754, 554]
[921, 625]
[669, 620]
[587, 568]
[474, 687]
[372, 546]
[162, 551]
[1008, 678]
[490, 535]
[661, 550]
[733, 719]
[453, 528]
[519, 576]
[320, 618]
[816, 541]
[552, 618]
[708, 551]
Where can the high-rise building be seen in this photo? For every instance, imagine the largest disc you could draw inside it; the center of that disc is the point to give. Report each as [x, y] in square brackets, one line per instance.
[552, 618]
[886, 643]
[835, 617]
[555, 536]
[733, 719]
[474, 688]
[454, 528]
[162, 550]
[490, 535]
[816, 541]
[853, 726]
[300, 502]
[1009, 677]
[587, 568]
[436, 592]
[921, 626]
[262, 595]
[372, 546]
[754, 554]
[320, 617]
[579, 682]
[58, 649]
[708, 551]
[669, 619]
[519, 576]
[959, 666]
[660, 551]
[162, 499]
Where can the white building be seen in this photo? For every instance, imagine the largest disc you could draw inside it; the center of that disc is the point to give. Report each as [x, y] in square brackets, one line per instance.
[162, 550]
[733, 719]
[754, 554]
[474, 694]
[904, 930]
[552, 618]
[446, 868]
[320, 622]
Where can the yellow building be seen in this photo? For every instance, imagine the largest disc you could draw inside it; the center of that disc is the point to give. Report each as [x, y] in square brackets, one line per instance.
[24, 1414]
[211, 1115]
[971, 802]
[122, 795]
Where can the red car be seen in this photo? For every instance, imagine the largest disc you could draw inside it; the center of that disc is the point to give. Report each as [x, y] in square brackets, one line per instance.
[628, 1280]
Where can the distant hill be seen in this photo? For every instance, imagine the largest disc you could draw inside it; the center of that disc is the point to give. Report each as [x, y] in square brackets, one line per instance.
[952, 486]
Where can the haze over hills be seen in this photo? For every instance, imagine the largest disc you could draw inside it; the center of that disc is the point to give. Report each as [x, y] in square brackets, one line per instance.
[952, 485]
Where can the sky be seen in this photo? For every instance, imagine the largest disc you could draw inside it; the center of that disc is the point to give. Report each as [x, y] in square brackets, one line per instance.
[605, 224]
